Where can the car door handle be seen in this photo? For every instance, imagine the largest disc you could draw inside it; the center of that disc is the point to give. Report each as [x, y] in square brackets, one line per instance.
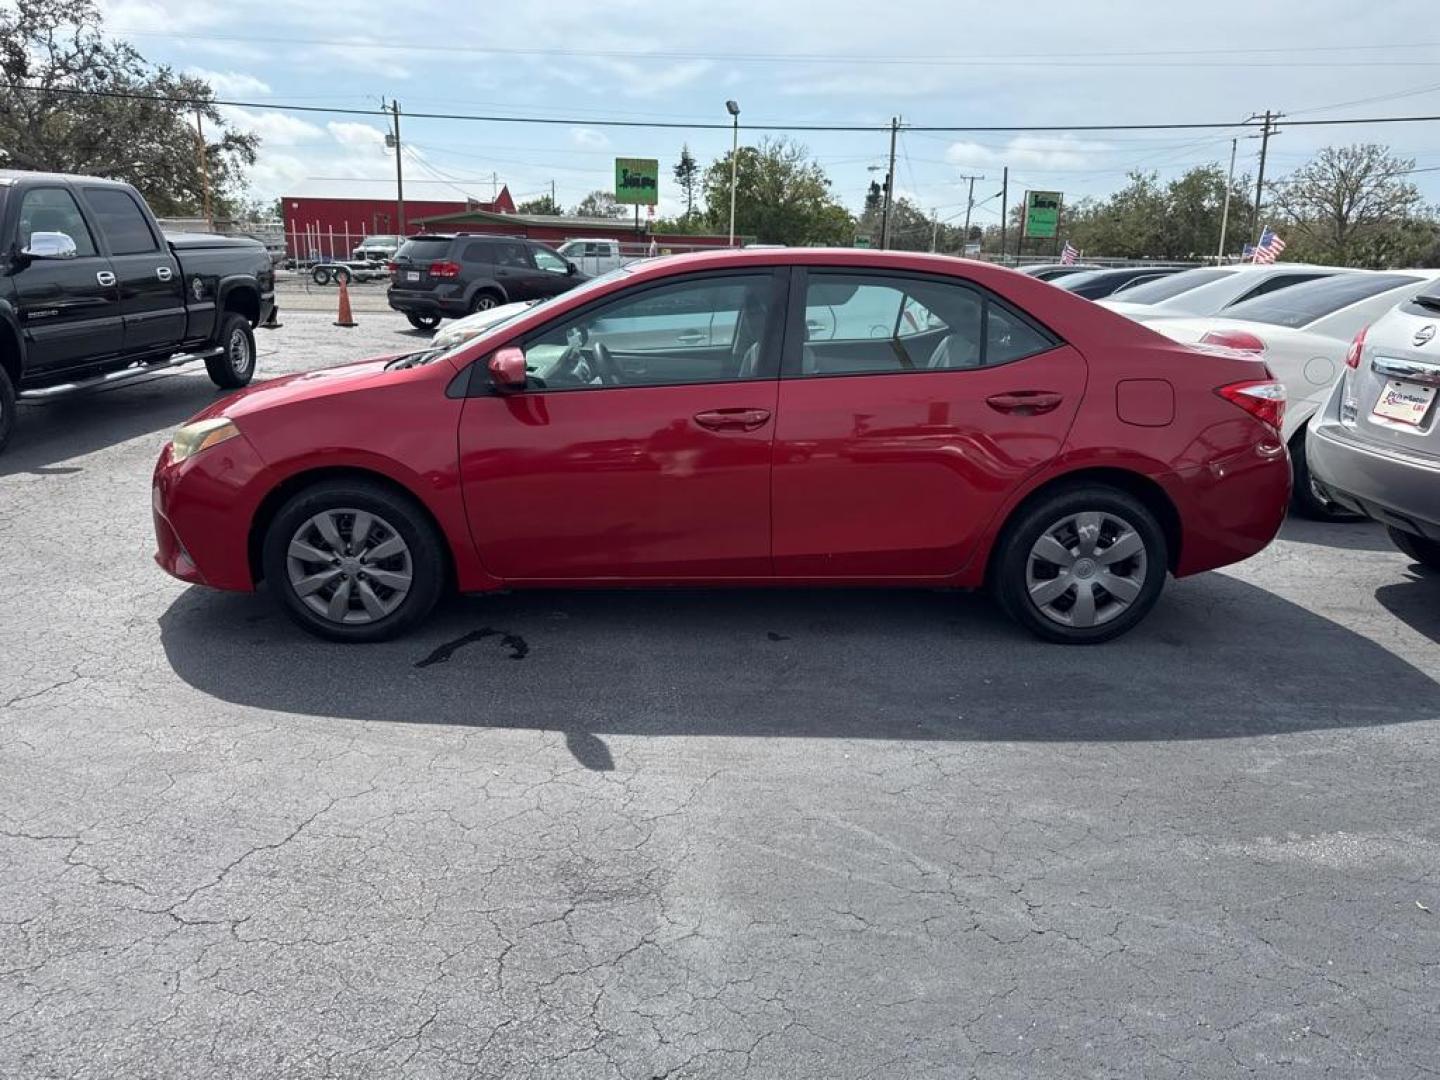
[105, 277]
[733, 419]
[163, 273]
[1025, 402]
[690, 337]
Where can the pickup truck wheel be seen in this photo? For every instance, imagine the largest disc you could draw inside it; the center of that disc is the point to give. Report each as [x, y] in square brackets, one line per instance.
[7, 407]
[423, 322]
[235, 366]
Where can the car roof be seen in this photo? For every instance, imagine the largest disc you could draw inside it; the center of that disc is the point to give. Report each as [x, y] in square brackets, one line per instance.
[10, 176]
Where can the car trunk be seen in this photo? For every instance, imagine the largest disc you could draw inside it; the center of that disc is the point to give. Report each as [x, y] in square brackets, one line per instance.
[1394, 393]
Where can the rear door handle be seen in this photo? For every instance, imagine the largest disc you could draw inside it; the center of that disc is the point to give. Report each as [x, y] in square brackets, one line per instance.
[733, 419]
[105, 277]
[690, 337]
[163, 273]
[1025, 402]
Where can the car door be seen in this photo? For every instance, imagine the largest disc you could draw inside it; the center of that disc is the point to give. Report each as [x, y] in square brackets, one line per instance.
[68, 308]
[152, 293]
[552, 273]
[894, 450]
[516, 272]
[597, 472]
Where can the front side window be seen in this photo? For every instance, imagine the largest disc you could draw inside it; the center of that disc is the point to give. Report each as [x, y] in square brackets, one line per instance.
[698, 331]
[53, 210]
[550, 262]
[513, 255]
[873, 324]
[121, 220]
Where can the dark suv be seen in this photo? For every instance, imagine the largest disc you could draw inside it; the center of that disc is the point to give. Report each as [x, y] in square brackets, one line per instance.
[435, 275]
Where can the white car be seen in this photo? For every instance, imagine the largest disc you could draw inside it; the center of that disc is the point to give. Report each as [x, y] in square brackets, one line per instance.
[1210, 290]
[1304, 332]
[474, 325]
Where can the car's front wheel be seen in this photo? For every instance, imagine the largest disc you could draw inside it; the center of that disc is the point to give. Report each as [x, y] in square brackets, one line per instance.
[422, 321]
[1081, 565]
[1423, 550]
[353, 560]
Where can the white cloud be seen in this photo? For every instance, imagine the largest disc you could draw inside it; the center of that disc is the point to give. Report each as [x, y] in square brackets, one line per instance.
[230, 83]
[588, 138]
[1027, 152]
[274, 128]
[357, 136]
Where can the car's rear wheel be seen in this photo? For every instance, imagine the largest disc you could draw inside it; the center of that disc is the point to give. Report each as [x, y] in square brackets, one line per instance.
[1423, 550]
[234, 367]
[7, 407]
[353, 561]
[484, 301]
[1306, 498]
[422, 322]
[1081, 565]
[320, 275]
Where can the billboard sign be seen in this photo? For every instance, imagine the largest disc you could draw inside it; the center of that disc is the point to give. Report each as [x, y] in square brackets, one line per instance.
[637, 181]
[1042, 215]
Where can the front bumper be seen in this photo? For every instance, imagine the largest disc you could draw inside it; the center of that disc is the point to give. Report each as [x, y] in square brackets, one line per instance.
[202, 509]
[1390, 486]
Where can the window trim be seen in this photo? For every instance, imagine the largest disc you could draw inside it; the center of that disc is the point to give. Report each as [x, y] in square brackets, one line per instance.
[772, 336]
[157, 246]
[792, 362]
[80, 208]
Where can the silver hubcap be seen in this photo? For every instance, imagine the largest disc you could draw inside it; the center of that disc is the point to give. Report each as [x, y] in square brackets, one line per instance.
[485, 303]
[239, 352]
[1086, 569]
[349, 566]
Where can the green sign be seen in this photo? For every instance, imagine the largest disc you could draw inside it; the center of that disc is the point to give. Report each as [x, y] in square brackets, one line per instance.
[637, 181]
[862, 241]
[1042, 215]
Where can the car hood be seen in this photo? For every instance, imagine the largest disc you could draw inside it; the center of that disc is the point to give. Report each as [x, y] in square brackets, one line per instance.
[324, 382]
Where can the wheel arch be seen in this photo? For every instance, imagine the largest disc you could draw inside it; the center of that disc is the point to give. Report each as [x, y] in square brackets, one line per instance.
[11, 350]
[1148, 491]
[486, 285]
[242, 296]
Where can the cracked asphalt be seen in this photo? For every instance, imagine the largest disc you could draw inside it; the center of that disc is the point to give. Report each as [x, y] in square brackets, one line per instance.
[643, 835]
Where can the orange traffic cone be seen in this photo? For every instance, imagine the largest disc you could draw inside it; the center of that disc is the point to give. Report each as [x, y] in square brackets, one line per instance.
[344, 318]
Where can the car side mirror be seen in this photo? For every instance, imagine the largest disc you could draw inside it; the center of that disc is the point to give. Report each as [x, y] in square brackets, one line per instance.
[49, 245]
[571, 269]
[507, 368]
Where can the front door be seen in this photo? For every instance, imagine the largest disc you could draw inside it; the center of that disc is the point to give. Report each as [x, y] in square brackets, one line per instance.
[152, 293]
[911, 410]
[516, 273]
[632, 456]
[553, 274]
[69, 308]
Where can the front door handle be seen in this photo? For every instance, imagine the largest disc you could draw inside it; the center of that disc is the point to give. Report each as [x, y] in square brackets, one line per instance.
[733, 419]
[105, 277]
[690, 337]
[163, 273]
[1025, 402]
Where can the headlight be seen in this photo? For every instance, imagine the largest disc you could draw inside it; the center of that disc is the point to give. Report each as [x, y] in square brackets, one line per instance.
[201, 435]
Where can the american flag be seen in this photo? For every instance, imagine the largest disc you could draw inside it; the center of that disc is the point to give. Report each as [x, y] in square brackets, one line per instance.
[1269, 248]
[1070, 254]
[1247, 252]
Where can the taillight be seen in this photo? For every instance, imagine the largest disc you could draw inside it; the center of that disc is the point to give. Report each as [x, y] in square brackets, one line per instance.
[391, 267]
[1263, 399]
[444, 269]
[1352, 355]
[1239, 340]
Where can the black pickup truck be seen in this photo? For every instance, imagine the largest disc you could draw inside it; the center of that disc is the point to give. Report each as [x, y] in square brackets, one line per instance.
[92, 293]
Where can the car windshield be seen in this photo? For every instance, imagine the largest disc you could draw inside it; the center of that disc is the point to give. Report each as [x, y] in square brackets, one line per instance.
[1152, 292]
[1301, 305]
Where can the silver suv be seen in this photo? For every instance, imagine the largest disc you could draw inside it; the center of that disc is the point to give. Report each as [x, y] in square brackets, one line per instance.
[1375, 446]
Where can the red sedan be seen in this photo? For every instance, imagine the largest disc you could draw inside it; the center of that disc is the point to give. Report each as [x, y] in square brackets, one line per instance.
[766, 417]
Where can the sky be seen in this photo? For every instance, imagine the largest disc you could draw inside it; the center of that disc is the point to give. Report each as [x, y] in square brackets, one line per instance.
[929, 62]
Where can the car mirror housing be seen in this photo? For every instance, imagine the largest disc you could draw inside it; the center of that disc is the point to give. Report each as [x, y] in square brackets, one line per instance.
[49, 245]
[507, 368]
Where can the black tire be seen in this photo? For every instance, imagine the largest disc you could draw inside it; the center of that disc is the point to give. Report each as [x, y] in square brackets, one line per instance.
[7, 407]
[485, 300]
[235, 366]
[422, 322]
[426, 560]
[1010, 567]
[320, 275]
[342, 276]
[1422, 549]
[1304, 499]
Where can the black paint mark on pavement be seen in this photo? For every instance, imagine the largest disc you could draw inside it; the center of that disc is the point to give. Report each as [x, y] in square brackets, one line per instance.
[773, 636]
[517, 645]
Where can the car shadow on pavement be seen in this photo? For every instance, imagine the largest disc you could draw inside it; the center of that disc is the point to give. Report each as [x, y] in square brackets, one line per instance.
[71, 427]
[1415, 601]
[1350, 535]
[1218, 658]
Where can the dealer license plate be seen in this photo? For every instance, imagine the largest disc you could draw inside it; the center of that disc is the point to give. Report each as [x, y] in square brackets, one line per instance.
[1404, 402]
[412, 275]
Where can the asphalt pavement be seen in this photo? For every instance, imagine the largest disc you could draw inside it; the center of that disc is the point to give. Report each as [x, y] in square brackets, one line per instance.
[697, 834]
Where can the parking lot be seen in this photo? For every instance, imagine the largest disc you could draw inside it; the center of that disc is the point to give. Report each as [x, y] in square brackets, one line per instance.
[689, 834]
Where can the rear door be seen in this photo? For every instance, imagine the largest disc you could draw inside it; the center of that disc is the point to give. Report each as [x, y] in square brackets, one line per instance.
[152, 293]
[908, 414]
[69, 309]
[414, 259]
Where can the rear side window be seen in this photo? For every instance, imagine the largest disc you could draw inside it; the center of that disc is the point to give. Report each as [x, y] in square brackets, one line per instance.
[1152, 292]
[1279, 281]
[423, 251]
[122, 221]
[478, 251]
[54, 210]
[874, 324]
[1304, 304]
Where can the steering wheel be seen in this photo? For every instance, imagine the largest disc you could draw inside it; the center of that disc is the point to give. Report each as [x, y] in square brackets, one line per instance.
[571, 366]
[606, 367]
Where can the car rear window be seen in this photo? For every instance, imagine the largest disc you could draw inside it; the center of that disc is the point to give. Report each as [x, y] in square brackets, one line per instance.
[1152, 292]
[1302, 304]
[423, 250]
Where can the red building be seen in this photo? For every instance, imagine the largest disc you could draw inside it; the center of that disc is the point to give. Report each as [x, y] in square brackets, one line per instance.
[332, 227]
[552, 229]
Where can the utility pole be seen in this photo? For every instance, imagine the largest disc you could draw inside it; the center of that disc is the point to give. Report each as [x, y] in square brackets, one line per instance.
[934, 229]
[969, 206]
[889, 187]
[204, 170]
[1225, 214]
[399, 171]
[1266, 130]
[553, 205]
[1004, 213]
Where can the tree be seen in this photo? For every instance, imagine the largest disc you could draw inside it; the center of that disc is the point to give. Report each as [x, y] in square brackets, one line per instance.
[1350, 206]
[600, 204]
[687, 175]
[1147, 219]
[542, 204]
[781, 197]
[55, 62]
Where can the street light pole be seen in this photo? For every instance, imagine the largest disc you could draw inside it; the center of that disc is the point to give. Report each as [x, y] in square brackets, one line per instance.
[1225, 214]
[733, 109]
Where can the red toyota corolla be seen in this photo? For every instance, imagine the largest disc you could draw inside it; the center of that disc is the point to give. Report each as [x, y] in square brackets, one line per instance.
[766, 417]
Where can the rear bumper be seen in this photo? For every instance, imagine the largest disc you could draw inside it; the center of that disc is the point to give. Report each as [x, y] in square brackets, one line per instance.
[1392, 487]
[425, 303]
[1231, 507]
